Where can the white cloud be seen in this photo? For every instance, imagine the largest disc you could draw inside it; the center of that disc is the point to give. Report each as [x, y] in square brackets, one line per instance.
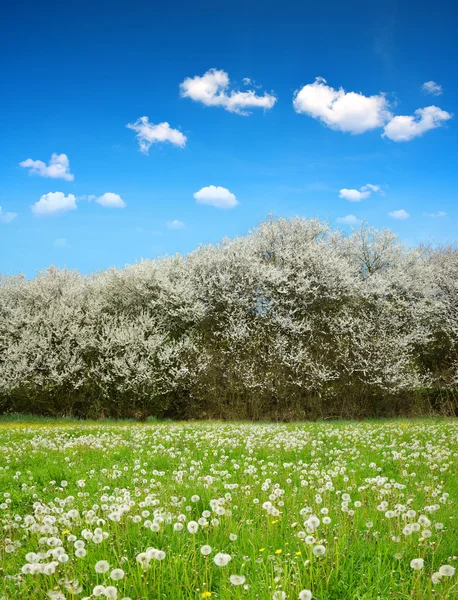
[7, 217]
[175, 224]
[348, 220]
[344, 111]
[212, 89]
[406, 128]
[399, 214]
[216, 196]
[441, 213]
[61, 243]
[57, 168]
[149, 133]
[54, 203]
[357, 195]
[109, 200]
[431, 87]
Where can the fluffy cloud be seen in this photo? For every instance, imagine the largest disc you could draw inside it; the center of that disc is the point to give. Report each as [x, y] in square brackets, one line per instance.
[54, 203]
[60, 243]
[406, 128]
[358, 195]
[216, 196]
[7, 217]
[431, 87]
[399, 214]
[441, 213]
[175, 224]
[109, 200]
[345, 111]
[57, 168]
[149, 133]
[349, 220]
[212, 89]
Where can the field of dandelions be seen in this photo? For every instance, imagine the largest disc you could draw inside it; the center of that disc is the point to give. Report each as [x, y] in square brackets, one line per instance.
[210, 510]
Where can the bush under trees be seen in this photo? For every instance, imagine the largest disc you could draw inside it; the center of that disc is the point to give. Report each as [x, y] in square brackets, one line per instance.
[293, 320]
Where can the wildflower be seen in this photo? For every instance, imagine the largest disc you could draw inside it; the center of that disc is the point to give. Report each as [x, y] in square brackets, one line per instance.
[193, 527]
[237, 579]
[305, 595]
[221, 559]
[99, 590]
[117, 574]
[436, 578]
[206, 550]
[279, 551]
[206, 594]
[101, 566]
[111, 592]
[319, 550]
[417, 564]
[447, 570]
[279, 596]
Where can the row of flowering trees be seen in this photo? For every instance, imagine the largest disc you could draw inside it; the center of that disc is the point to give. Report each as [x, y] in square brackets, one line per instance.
[292, 320]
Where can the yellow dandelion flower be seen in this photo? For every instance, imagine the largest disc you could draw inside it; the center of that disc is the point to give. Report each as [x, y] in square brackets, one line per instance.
[279, 551]
[298, 553]
[206, 595]
[65, 531]
[261, 549]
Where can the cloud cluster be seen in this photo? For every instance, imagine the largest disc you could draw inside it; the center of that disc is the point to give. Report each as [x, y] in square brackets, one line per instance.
[7, 217]
[406, 128]
[61, 243]
[433, 88]
[345, 111]
[349, 220]
[54, 203]
[216, 196]
[212, 89]
[175, 224]
[364, 192]
[355, 113]
[401, 214]
[149, 133]
[57, 168]
[439, 214]
[109, 200]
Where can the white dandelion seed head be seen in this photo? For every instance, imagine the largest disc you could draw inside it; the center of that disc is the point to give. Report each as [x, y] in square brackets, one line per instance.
[237, 579]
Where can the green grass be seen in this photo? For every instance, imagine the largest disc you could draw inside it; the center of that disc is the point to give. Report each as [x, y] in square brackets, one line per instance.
[61, 479]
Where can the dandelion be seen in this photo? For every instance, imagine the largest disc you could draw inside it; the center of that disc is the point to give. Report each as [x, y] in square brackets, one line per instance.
[447, 570]
[436, 578]
[279, 595]
[305, 595]
[206, 550]
[111, 592]
[193, 526]
[319, 550]
[279, 551]
[101, 566]
[99, 590]
[417, 564]
[221, 559]
[237, 579]
[206, 594]
[117, 574]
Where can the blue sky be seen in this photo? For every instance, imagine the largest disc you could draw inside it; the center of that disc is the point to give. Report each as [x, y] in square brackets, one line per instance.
[76, 74]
